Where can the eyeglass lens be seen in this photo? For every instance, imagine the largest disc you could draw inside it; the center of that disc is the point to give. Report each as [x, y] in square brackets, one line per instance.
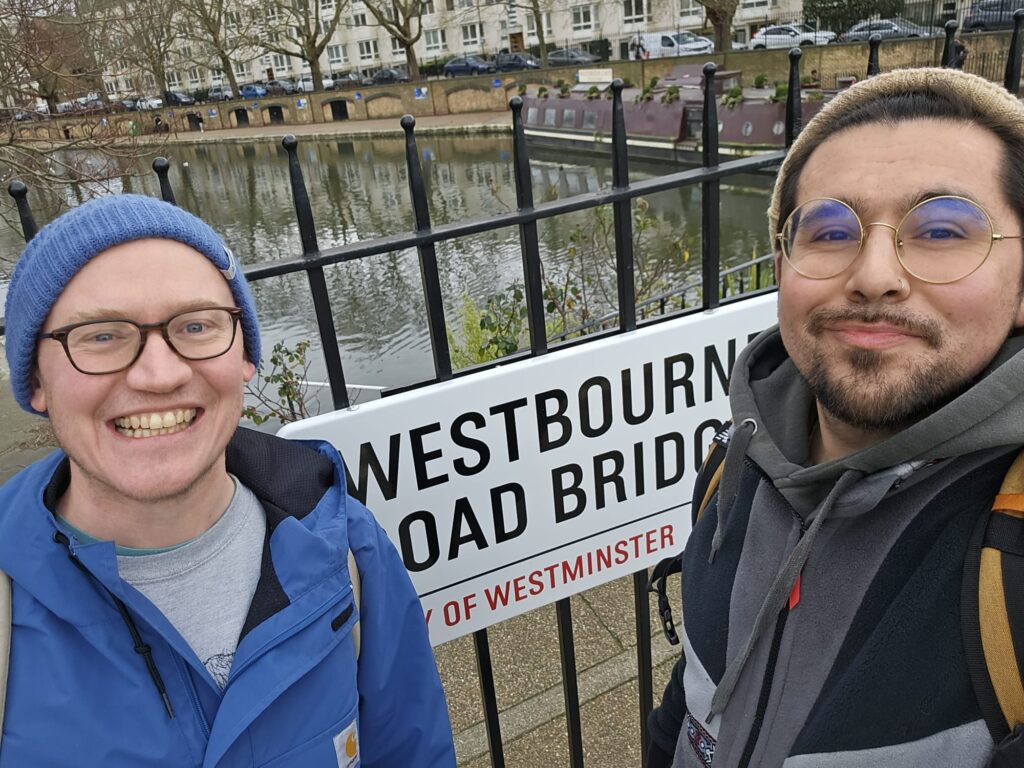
[111, 345]
[940, 240]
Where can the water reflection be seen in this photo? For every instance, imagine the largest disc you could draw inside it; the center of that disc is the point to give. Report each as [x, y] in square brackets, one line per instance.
[359, 190]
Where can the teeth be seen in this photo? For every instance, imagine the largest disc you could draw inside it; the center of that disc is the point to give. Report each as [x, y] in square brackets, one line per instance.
[152, 424]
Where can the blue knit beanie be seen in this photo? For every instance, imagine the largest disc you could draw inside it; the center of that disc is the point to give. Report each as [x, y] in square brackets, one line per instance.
[69, 242]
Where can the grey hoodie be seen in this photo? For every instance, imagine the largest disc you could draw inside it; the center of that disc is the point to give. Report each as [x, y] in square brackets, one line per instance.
[852, 529]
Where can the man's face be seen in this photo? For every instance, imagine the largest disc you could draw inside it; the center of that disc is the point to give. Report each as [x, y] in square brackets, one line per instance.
[146, 281]
[879, 347]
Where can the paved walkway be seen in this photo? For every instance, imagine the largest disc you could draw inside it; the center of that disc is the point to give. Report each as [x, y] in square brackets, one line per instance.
[525, 649]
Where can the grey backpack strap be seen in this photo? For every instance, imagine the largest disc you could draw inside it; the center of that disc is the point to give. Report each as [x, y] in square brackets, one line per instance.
[5, 641]
[353, 572]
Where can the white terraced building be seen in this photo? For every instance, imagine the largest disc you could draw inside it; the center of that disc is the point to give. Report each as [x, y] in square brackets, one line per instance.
[466, 27]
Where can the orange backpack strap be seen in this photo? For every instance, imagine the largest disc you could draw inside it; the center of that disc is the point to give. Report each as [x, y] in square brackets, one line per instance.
[992, 606]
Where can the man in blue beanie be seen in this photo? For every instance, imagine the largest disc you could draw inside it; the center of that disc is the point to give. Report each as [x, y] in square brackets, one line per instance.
[179, 591]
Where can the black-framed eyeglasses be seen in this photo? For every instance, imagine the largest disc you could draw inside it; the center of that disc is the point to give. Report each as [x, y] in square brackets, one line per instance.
[107, 346]
[940, 240]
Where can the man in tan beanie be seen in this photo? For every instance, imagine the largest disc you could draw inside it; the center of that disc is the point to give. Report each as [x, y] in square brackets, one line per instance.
[825, 584]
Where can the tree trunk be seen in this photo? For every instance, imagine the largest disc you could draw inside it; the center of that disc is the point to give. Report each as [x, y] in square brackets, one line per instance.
[538, 20]
[411, 61]
[228, 68]
[721, 21]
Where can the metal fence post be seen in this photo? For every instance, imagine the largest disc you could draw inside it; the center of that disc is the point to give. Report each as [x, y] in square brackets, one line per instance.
[428, 257]
[528, 241]
[19, 191]
[794, 102]
[1012, 79]
[622, 214]
[709, 195]
[162, 166]
[873, 42]
[317, 281]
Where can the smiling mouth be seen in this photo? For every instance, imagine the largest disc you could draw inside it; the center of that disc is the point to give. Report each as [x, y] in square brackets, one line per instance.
[154, 424]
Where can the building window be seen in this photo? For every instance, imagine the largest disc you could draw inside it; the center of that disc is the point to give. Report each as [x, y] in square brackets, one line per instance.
[358, 20]
[436, 40]
[427, 8]
[633, 11]
[472, 34]
[193, 78]
[503, 29]
[368, 50]
[336, 55]
[327, 6]
[233, 20]
[280, 62]
[216, 76]
[531, 24]
[111, 87]
[583, 18]
[173, 80]
[241, 69]
[689, 8]
[397, 48]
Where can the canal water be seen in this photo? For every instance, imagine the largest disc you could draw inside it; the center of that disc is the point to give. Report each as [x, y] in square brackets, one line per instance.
[359, 190]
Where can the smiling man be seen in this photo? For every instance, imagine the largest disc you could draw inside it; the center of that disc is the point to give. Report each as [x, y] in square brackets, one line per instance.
[873, 428]
[185, 592]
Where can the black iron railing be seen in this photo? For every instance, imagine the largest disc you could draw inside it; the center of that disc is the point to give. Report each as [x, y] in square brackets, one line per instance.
[313, 261]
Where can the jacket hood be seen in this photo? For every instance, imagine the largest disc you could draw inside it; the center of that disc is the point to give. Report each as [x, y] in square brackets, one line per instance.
[767, 389]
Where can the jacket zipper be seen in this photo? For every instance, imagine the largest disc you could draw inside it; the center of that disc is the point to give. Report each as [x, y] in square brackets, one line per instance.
[193, 697]
[769, 674]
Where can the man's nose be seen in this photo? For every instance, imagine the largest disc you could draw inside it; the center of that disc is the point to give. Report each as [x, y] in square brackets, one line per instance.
[158, 368]
[877, 271]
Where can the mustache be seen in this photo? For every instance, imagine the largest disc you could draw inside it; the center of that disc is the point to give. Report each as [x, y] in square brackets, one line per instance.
[925, 327]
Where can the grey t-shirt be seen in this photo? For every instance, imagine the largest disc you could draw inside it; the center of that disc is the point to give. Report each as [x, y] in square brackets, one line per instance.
[204, 586]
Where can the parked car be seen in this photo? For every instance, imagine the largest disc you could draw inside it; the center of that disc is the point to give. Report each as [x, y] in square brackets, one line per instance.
[386, 76]
[790, 36]
[990, 14]
[660, 45]
[280, 87]
[889, 28]
[516, 62]
[136, 103]
[347, 79]
[177, 98]
[220, 93]
[689, 43]
[467, 65]
[570, 57]
[253, 91]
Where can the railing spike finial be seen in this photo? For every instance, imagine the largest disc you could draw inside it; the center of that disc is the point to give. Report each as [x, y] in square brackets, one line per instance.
[794, 102]
[162, 166]
[19, 191]
[432, 294]
[949, 47]
[873, 42]
[1012, 79]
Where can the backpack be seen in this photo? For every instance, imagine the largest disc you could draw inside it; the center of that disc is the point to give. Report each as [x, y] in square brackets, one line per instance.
[5, 627]
[991, 604]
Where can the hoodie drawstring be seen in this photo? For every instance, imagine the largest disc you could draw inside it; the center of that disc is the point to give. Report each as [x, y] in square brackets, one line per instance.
[141, 648]
[779, 591]
[729, 488]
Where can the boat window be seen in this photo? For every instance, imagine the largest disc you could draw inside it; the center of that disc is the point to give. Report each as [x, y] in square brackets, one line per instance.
[589, 120]
[531, 116]
[778, 128]
[747, 129]
[550, 117]
[569, 118]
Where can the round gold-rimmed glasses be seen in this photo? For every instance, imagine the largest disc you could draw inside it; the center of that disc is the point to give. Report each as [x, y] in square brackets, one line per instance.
[940, 240]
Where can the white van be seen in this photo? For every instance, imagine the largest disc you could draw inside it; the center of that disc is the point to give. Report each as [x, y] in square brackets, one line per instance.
[659, 45]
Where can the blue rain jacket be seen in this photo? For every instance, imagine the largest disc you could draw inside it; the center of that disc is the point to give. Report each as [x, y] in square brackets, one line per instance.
[82, 691]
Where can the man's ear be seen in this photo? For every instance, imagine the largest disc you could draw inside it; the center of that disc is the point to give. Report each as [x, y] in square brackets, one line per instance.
[38, 399]
[248, 370]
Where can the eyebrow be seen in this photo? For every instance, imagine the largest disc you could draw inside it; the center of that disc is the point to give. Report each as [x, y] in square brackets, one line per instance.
[909, 201]
[103, 313]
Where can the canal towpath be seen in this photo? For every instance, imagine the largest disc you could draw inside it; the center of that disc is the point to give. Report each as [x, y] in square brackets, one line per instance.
[524, 650]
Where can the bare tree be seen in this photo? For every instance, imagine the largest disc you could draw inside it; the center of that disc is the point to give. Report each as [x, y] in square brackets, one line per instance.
[720, 13]
[296, 28]
[216, 27]
[145, 34]
[403, 20]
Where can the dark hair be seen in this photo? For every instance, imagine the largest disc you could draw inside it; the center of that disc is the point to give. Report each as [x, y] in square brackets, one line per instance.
[918, 105]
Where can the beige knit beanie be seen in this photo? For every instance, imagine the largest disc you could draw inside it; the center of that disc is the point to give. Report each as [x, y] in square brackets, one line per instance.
[986, 98]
